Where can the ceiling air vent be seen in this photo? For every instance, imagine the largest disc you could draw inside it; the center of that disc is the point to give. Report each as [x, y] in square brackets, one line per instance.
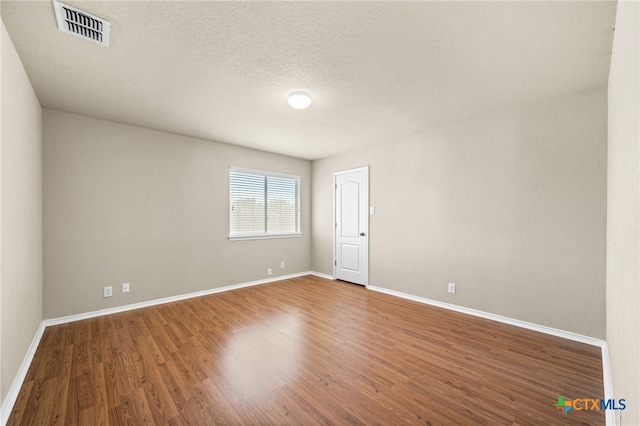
[80, 23]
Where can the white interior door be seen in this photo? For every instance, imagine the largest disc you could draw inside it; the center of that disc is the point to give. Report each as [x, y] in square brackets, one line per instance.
[352, 226]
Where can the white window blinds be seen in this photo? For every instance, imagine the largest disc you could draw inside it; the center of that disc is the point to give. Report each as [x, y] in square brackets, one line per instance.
[263, 204]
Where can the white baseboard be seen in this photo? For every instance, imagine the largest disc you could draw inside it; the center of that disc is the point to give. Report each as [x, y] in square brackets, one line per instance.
[321, 275]
[12, 394]
[606, 369]
[154, 302]
[499, 318]
[609, 415]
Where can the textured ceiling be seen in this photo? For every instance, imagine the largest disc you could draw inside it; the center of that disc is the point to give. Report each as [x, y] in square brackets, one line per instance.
[377, 71]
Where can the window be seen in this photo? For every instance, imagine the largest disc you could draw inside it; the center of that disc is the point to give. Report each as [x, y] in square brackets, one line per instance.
[263, 204]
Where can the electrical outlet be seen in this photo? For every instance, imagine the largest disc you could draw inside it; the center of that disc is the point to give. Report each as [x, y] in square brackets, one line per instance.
[452, 288]
[107, 291]
[269, 271]
[282, 265]
[125, 287]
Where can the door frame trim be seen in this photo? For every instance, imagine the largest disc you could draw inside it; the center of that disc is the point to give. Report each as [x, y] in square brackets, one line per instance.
[335, 183]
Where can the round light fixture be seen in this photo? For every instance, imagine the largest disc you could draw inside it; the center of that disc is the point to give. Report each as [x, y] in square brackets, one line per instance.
[299, 100]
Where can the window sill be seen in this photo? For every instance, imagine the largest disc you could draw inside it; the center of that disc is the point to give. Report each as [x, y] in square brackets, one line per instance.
[263, 237]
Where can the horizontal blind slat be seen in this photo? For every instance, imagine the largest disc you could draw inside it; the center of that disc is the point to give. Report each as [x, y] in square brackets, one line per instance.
[263, 204]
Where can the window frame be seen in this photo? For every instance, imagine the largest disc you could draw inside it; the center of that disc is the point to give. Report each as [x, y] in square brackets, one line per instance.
[266, 234]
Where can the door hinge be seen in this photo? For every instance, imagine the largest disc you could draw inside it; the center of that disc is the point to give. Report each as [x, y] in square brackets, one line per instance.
[336, 186]
[335, 263]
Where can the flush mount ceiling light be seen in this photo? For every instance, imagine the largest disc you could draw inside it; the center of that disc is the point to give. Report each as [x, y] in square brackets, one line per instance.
[299, 100]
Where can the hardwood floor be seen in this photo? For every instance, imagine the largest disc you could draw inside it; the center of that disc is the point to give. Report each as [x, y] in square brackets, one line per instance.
[304, 351]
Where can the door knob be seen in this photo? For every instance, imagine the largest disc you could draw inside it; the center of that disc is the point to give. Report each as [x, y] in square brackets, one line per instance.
[362, 234]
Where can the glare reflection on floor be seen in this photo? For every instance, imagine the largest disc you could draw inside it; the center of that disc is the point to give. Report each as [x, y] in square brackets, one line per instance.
[256, 355]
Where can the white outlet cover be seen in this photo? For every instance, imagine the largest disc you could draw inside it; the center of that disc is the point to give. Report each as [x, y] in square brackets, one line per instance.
[282, 265]
[107, 291]
[269, 271]
[452, 288]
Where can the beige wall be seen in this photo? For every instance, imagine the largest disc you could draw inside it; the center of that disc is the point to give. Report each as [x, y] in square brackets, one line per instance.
[623, 213]
[511, 207]
[126, 204]
[21, 193]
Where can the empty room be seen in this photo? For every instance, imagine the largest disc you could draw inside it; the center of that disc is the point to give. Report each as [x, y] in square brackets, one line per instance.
[320, 213]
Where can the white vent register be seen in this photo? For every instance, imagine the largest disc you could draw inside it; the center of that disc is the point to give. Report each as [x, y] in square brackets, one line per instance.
[82, 24]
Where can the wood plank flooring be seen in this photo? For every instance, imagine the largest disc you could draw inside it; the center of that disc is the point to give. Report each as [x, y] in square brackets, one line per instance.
[304, 351]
